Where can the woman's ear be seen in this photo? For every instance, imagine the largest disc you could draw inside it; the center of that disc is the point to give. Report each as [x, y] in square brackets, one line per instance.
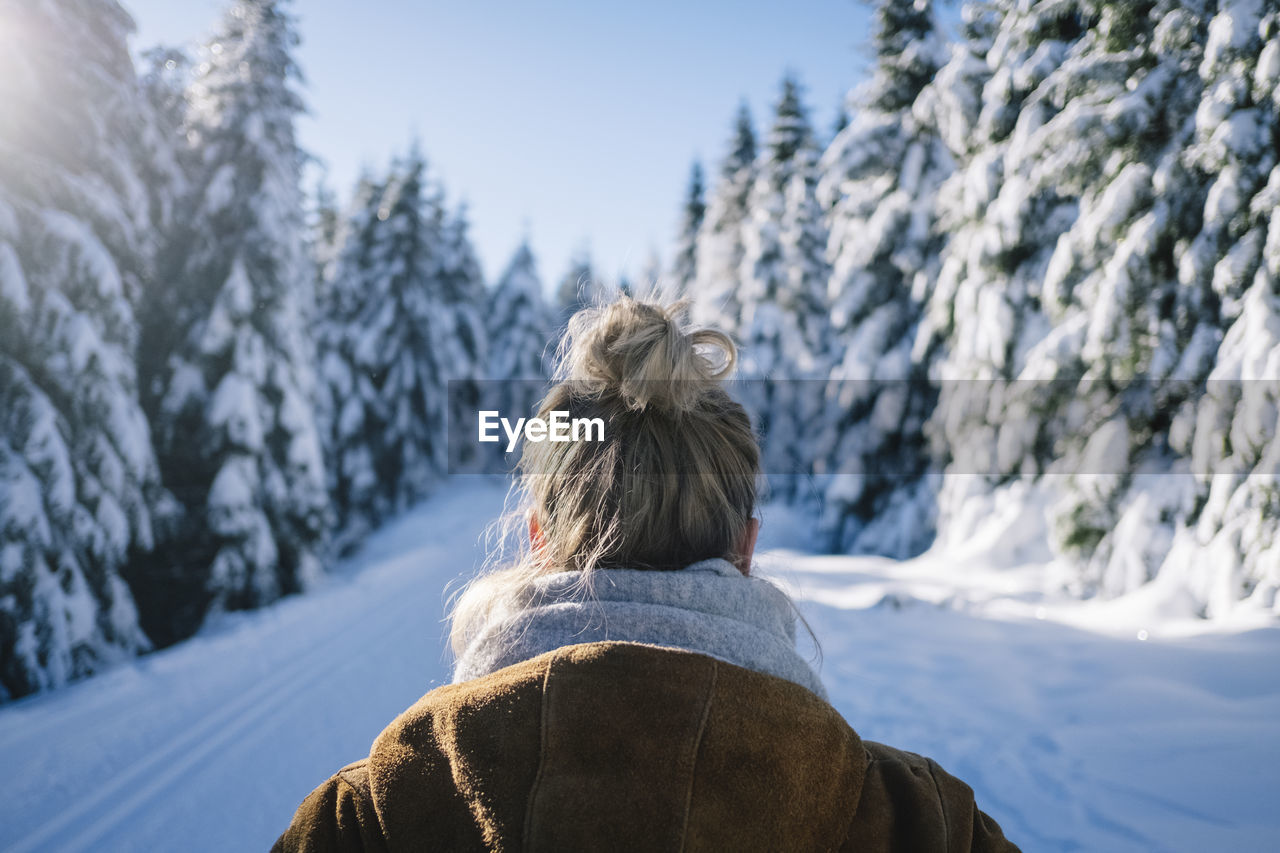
[536, 540]
[747, 546]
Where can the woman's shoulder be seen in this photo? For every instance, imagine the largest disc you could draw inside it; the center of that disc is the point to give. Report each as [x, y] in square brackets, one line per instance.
[944, 813]
[338, 815]
[658, 742]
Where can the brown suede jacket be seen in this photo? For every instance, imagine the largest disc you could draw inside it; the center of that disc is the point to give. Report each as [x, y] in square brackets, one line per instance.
[620, 746]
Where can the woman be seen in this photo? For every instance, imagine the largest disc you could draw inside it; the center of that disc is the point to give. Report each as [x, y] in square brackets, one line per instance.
[628, 684]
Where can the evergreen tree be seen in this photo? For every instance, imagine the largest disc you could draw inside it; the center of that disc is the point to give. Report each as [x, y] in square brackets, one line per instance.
[1116, 226]
[1111, 285]
[79, 485]
[521, 330]
[841, 121]
[520, 323]
[907, 53]
[324, 226]
[232, 386]
[345, 388]
[578, 287]
[168, 161]
[163, 156]
[783, 272]
[685, 269]
[785, 329]
[464, 346]
[1226, 550]
[988, 288]
[1224, 547]
[382, 344]
[716, 297]
[1003, 213]
[880, 180]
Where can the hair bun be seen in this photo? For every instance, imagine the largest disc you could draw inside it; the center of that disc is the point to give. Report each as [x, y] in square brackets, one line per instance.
[646, 353]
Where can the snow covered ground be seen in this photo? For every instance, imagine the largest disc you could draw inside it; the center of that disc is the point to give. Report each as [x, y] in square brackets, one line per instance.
[1075, 733]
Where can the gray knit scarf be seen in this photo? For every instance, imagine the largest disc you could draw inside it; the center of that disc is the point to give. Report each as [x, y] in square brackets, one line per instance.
[708, 607]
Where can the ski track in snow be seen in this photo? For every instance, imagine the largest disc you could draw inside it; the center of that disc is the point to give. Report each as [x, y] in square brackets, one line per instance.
[1072, 739]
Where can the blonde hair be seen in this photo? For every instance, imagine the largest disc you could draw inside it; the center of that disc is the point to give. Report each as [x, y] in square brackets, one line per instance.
[673, 481]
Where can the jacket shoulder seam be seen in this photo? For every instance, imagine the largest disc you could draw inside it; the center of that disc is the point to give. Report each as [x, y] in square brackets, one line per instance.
[350, 768]
[942, 803]
[362, 790]
[892, 759]
[542, 752]
[697, 746]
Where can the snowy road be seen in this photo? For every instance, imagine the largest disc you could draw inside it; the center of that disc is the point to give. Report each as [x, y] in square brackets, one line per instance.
[1073, 739]
[211, 745]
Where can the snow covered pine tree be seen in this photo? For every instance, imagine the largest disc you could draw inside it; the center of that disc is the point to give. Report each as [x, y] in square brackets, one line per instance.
[382, 364]
[1114, 214]
[79, 484]
[880, 179]
[684, 272]
[463, 344]
[1227, 554]
[231, 392]
[521, 337]
[785, 328]
[718, 259]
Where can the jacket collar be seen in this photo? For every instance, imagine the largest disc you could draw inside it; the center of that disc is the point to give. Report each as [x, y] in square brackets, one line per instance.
[709, 607]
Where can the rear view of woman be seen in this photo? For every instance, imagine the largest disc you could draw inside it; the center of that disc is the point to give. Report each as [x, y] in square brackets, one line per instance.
[627, 684]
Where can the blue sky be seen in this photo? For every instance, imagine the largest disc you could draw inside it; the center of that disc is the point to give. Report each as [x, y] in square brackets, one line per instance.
[574, 120]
